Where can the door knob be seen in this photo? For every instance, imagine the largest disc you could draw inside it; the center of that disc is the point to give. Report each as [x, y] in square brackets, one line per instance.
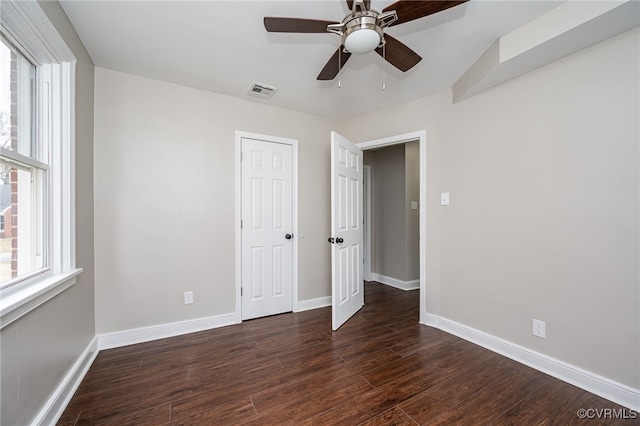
[339, 240]
[331, 240]
[288, 236]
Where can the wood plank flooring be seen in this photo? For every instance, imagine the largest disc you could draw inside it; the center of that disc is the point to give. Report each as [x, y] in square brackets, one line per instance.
[380, 368]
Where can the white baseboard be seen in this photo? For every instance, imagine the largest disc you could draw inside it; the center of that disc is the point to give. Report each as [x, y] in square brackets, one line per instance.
[146, 334]
[394, 282]
[591, 382]
[320, 302]
[58, 401]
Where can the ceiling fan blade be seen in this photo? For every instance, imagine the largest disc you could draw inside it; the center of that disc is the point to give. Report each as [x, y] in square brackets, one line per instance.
[367, 4]
[295, 25]
[331, 69]
[408, 10]
[398, 54]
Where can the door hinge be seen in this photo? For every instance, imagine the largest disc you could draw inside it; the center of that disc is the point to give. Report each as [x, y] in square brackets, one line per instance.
[241, 157]
[241, 223]
[241, 291]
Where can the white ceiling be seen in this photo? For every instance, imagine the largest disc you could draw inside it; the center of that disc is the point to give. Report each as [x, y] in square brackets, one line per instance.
[222, 46]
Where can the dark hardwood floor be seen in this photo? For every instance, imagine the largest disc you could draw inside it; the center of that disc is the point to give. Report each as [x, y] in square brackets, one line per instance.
[380, 368]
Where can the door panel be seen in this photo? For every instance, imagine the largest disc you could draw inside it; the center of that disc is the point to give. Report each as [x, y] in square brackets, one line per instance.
[346, 230]
[267, 217]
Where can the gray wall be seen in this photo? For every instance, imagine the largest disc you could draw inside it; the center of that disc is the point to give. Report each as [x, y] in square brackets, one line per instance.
[395, 227]
[38, 349]
[389, 190]
[412, 217]
[165, 199]
[543, 173]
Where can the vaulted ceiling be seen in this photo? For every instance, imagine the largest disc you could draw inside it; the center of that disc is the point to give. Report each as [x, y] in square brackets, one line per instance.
[222, 46]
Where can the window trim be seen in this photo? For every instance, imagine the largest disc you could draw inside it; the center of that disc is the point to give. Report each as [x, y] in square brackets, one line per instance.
[26, 25]
[20, 299]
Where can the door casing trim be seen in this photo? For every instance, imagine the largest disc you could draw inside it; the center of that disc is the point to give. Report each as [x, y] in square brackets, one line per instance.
[238, 213]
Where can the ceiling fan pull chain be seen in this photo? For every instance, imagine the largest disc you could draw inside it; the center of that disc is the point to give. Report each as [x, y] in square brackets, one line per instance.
[339, 64]
[384, 67]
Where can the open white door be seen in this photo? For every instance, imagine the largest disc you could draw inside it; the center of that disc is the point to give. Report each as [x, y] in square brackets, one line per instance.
[347, 285]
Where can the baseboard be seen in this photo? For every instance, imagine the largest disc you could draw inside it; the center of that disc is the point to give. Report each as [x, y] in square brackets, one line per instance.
[596, 384]
[58, 401]
[320, 302]
[394, 282]
[146, 334]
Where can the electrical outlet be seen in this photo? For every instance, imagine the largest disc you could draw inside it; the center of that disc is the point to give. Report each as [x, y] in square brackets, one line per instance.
[539, 329]
[188, 297]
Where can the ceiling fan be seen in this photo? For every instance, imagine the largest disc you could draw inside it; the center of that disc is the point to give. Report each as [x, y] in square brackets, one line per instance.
[361, 31]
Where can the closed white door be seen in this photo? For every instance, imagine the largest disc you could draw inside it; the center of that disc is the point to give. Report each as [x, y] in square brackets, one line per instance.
[347, 283]
[267, 228]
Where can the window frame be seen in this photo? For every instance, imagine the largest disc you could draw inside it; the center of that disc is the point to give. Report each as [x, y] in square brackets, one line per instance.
[26, 26]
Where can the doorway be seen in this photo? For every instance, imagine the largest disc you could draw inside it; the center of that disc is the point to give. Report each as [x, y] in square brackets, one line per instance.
[266, 231]
[347, 227]
[421, 138]
[391, 215]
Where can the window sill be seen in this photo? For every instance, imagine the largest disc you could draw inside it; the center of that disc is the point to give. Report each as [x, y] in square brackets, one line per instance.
[21, 299]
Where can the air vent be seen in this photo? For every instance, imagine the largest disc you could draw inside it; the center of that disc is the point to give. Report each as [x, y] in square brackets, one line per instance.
[261, 90]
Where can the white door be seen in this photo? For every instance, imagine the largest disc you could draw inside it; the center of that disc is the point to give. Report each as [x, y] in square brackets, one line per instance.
[267, 228]
[347, 285]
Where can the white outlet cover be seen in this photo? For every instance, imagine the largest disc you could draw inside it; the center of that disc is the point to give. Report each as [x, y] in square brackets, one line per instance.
[444, 199]
[539, 329]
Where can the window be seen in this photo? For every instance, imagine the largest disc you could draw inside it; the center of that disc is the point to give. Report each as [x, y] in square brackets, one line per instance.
[37, 80]
[23, 170]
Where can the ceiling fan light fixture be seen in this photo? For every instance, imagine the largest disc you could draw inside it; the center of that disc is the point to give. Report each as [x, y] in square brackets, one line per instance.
[361, 41]
[360, 34]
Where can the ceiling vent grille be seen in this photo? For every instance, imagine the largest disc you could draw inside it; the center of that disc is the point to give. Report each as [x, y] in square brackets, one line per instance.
[261, 90]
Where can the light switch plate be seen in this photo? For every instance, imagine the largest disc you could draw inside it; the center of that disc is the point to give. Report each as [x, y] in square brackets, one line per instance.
[414, 205]
[444, 199]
